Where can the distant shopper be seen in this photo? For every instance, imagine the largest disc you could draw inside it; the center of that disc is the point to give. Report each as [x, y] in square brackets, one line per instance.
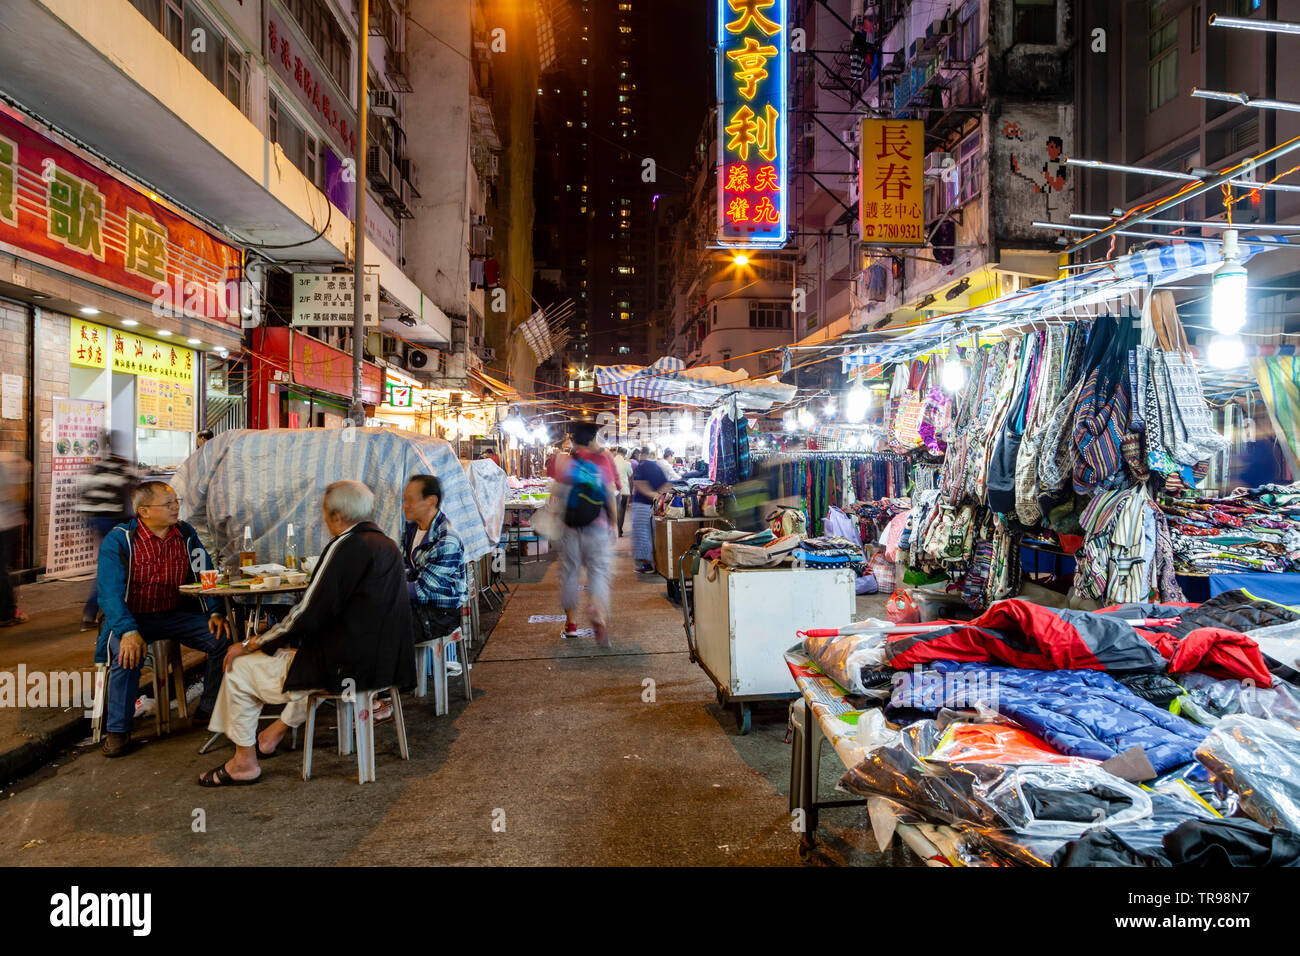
[105, 503]
[623, 470]
[666, 463]
[202, 438]
[13, 497]
[491, 456]
[589, 520]
[565, 447]
[648, 482]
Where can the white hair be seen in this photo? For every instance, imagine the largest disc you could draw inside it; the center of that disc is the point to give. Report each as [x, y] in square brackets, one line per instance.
[350, 500]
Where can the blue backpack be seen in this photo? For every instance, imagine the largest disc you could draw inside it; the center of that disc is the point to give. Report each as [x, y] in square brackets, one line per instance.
[586, 493]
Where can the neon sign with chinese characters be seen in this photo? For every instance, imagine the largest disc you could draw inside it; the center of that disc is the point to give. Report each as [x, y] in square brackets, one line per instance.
[753, 52]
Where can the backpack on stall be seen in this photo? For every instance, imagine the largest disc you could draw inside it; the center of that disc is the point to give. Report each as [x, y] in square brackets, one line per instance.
[786, 520]
[586, 493]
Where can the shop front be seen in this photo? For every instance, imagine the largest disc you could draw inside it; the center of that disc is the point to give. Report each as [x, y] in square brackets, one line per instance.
[110, 300]
[297, 381]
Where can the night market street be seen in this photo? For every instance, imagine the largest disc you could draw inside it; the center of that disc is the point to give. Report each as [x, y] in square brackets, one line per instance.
[557, 737]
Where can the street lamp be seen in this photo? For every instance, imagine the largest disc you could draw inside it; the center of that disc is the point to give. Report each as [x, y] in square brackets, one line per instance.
[741, 259]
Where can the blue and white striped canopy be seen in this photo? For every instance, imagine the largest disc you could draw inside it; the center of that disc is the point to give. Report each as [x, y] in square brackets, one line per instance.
[1165, 264]
[266, 479]
[669, 381]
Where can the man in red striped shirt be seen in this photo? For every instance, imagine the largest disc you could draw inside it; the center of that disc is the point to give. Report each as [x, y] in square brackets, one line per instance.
[142, 564]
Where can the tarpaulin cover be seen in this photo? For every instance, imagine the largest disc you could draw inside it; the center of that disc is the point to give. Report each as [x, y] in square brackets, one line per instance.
[1260, 760]
[488, 480]
[266, 479]
[1025, 635]
[1279, 586]
[1081, 713]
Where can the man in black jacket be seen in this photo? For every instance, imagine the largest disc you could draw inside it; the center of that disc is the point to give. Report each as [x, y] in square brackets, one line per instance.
[353, 624]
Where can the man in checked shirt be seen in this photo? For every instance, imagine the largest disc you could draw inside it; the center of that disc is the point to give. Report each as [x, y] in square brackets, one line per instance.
[142, 564]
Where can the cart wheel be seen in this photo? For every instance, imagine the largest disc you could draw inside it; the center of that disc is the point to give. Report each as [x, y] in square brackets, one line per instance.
[742, 716]
[804, 849]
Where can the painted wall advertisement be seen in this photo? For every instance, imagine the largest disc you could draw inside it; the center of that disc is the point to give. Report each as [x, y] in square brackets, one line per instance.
[891, 183]
[1031, 181]
[78, 427]
[753, 52]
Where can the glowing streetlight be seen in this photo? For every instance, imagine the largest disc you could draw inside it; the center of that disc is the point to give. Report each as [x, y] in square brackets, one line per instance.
[741, 259]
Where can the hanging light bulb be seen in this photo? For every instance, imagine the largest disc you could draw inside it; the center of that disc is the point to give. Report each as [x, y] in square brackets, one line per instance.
[953, 376]
[684, 422]
[1229, 287]
[1227, 351]
[541, 435]
[806, 418]
[830, 407]
[788, 421]
[857, 403]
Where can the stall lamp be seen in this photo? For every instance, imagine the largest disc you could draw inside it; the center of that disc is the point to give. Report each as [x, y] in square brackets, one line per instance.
[541, 434]
[130, 323]
[1227, 351]
[830, 407]
[806, 418]
[788, 421]
[741, 259]
[953, 376]
[856, 405]
[1229, 287]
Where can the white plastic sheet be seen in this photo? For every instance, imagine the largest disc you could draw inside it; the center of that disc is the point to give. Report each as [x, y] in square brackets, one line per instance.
[488, 480]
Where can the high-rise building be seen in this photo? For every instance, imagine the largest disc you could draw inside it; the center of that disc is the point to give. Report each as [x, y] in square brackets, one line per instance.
[594, 217]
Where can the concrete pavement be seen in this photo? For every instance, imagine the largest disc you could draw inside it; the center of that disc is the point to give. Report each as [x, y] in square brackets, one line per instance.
[563, 757]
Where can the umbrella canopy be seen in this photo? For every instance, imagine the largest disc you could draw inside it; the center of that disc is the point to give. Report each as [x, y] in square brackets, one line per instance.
[669, 381]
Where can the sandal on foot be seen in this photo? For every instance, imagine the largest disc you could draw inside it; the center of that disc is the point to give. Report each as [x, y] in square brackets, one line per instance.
[220, 777]
[266, 754]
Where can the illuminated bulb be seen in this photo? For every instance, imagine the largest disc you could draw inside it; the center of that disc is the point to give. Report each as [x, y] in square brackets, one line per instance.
[806, 418]
[953, 377]
[1227, 351]
[830, 407]
[788, 421]
[741, 259]
[855, 407]
[1229, 285]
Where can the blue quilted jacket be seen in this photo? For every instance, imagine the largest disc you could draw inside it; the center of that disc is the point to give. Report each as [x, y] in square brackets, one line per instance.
[1081, 713]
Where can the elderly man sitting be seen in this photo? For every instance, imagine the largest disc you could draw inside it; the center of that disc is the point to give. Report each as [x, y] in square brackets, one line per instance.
[142, 564]
[353, 623]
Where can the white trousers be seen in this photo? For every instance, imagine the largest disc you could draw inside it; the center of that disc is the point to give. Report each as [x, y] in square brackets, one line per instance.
[586, 548]
[252, 682]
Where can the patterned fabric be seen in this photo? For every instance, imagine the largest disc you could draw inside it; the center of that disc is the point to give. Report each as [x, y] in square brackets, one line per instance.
[1054, 451]
[1159, 418]
[1199, 441]
[158, 569]
[1279, 384]
[642, 532]
[1098, 432]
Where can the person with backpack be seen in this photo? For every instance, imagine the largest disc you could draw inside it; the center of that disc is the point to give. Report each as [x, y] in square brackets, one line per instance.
[590, 520]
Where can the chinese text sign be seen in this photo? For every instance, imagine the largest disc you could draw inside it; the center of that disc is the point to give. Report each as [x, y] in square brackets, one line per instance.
[891, 187]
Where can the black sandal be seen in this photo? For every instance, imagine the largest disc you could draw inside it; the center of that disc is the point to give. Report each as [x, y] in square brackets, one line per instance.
[264, 755]
[220, 777]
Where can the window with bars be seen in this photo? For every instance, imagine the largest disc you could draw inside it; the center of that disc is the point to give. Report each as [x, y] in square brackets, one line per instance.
[1162, 55]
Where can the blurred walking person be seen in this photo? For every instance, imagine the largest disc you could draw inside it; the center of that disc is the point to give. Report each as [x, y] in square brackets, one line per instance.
[648, 482]
[623, 471]
[589, 526]
[105, 503]
[13, 515]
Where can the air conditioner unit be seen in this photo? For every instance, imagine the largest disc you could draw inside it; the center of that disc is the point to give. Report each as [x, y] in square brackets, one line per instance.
[894, 64]
[936, 163]
[416, 358]
[383, 103]
[946, 27]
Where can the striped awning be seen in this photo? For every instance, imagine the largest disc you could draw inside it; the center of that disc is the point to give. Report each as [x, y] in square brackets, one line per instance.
[669, 381]
[1165, 264]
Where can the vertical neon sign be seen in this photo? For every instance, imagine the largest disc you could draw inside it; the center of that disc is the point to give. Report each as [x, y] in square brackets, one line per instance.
[753, 53]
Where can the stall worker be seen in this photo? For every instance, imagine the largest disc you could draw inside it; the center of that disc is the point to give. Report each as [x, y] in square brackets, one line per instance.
[353, 623]
[648, 482]
[142, 564]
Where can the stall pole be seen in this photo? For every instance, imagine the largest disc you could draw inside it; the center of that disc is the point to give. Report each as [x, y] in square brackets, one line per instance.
[358, 411]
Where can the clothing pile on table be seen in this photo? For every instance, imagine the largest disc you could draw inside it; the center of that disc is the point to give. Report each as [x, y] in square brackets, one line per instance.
[1258, 530]
[830, 551]
[521, 489]
[1141, 735]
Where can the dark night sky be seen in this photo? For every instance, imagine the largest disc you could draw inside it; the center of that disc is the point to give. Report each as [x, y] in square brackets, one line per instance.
[680, 82]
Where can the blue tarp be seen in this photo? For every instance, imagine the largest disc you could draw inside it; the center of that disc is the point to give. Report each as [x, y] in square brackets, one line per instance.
[1266, 585]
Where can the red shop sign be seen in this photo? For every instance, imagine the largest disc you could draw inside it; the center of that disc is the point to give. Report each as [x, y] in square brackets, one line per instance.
[59, 209]
[313, 364]
[294, 62]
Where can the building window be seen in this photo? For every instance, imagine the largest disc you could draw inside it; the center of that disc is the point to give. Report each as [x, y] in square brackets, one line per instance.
[324, 33]
[300, 147]
[726, 359]
[1162, 55]
[769, 315]
[1246, 7]
[968, 25]
[1196, 27]
[968, 168]
[1033, 21]
[174, 28]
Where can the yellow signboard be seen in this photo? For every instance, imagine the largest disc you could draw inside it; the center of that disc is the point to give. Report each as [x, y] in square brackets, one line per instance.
[89, 345]
[163, 404]
[136, 355]
[891, 187]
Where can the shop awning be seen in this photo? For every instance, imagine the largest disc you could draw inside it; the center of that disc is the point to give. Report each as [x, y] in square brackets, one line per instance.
[669, 381]
[494, 388]
[1165, 264]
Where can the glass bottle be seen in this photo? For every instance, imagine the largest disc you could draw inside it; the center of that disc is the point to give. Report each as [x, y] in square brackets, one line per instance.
[247, 556]
[290, 550]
